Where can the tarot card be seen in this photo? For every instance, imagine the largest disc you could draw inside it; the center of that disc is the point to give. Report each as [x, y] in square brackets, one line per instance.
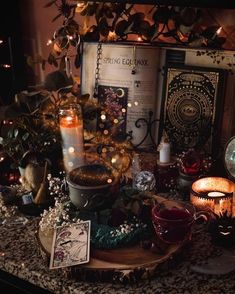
[112, 117]
[71, 245]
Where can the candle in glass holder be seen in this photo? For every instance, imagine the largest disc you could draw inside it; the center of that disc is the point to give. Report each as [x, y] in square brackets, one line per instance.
[71, 129]
[214, 194]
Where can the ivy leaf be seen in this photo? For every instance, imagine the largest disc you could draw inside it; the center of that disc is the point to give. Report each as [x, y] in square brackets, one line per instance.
[92, 35]
[121, 27]
[118, 8]
[188, 16]
[72, 27]
[99, 12]
[52, 60]
[25, 136]
[108, 12]
[103, 27]
[136, 18]
[162, 15]
[16, 132]
[145, 29]
[10, 134]
[89, 10]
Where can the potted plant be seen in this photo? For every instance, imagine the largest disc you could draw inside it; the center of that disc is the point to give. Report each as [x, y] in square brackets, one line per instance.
[25, 135]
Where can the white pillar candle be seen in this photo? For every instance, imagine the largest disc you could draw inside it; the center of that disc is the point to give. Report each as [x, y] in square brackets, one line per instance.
[71, 128]
[164, 152]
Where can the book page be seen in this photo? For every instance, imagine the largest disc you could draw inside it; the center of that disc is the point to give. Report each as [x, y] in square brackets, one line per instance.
[133, 69]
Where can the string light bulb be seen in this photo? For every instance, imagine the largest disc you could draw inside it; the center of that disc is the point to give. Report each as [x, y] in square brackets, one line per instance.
[49, 42]
[219, 30]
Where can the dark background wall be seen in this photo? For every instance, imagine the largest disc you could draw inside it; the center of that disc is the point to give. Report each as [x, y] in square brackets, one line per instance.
[12, 79]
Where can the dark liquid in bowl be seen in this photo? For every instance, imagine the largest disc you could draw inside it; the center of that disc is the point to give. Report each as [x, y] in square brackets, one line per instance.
[91, 175]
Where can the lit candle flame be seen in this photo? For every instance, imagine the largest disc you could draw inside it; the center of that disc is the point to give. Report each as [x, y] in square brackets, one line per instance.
[215, 194]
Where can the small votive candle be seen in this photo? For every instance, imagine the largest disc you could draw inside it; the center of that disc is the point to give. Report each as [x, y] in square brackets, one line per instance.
[71, 129]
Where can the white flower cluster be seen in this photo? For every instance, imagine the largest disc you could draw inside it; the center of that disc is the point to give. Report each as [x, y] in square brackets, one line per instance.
[55, 187]
[127, 228]
[50, 218]
[6, 211]
[56, 216]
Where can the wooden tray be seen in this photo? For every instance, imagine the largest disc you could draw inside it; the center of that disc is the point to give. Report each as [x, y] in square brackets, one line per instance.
[120, 262]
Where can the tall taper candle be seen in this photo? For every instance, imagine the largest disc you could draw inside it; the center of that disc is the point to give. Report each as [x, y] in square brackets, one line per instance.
[71, 128]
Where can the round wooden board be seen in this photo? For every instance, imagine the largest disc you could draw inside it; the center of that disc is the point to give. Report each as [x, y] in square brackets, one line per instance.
[129, 258]
[118, 259]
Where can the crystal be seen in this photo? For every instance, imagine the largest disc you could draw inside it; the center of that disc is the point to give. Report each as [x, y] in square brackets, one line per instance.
[145, 181]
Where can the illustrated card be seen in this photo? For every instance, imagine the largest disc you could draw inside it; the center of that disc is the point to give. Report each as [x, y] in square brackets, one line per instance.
[112, 117]
[71, 245]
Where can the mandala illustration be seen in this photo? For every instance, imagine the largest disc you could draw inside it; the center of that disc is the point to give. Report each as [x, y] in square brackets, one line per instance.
[190, 106]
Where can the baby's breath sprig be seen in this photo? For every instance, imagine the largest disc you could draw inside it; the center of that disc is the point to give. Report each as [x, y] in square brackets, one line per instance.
[127, 227]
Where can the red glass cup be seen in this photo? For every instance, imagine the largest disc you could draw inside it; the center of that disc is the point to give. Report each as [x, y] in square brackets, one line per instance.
[174, 221]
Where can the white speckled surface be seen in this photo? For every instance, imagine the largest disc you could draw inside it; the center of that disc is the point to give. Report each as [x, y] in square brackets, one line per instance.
[20, 257]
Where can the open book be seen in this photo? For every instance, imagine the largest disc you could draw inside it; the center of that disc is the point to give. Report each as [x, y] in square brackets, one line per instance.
[186, 100]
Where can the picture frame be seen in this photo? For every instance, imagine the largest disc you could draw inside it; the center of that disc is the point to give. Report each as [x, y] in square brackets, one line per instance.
[71, 245]
[192, 97]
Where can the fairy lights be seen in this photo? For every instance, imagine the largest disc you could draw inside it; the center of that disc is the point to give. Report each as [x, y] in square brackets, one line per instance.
[49, 42]
[6, 65]
[103, 116]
